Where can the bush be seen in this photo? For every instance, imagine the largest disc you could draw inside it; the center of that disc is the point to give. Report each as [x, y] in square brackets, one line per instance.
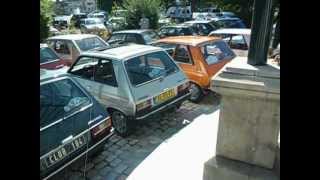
[46, 11]
[136, 8]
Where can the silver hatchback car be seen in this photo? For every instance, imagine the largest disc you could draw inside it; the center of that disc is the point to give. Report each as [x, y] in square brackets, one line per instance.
[132, 82]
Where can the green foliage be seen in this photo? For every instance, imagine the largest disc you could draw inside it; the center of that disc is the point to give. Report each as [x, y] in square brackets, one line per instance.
[46, 11]
[136, 8]
[105, 5]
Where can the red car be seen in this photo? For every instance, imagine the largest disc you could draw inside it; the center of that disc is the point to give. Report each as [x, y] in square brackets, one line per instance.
[49, 59]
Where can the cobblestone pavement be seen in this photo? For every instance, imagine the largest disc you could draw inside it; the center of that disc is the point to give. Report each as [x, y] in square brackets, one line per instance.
[122, 155]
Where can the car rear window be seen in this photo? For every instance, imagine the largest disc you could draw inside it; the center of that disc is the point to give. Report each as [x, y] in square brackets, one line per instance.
[59, 99]
[47, 55]
[216, 51]
[90, 43]
[148, 67]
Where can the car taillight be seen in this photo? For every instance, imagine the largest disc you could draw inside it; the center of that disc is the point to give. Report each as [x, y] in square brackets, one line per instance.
[101, 127]
[184, 86]
[143, 105]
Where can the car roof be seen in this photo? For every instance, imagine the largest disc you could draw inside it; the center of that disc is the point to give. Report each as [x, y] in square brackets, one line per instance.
[136, 31]
[196, 21]
[72, 36]
[92, 18]
[46, 75]
[188, 40]
[242, 31]
[124, 52]
[225, 18]
[177, 26]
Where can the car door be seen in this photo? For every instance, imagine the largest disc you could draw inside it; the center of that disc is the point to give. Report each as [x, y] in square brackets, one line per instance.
[183, 57]
[64, 116]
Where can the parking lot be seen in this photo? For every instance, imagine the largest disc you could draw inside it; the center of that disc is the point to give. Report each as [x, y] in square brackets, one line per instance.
[122, 155]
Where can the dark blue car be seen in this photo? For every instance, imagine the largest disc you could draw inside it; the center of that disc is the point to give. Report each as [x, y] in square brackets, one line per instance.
[72, 123]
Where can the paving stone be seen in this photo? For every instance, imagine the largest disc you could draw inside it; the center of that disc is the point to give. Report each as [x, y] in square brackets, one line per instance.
[97, 178]
[112, 176]
[114, 139]
[113, 147]
[128, 170]
[110, 158]
[115, 162]
[75, 176]
[122, 177]
[92, 173]
[117, 152]
[155, 140]
[89, 166]
[125, 147]
[104, 171]
[98, 159]
[122, 142]
[143, 142]
[120, 168]
[101, 165]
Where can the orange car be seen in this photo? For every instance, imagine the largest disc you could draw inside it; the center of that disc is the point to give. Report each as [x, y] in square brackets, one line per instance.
[200, 57]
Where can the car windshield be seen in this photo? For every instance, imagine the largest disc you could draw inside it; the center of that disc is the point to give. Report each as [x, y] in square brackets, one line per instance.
[150, 36]
[148, 67]
[216, 51]
[58, 99]
[90, 43]
[47, 55]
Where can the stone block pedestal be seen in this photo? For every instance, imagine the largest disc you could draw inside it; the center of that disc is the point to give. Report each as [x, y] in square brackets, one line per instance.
[249, 121]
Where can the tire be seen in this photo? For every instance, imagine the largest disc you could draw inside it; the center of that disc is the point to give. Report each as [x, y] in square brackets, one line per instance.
[121, 123]
[196, 93]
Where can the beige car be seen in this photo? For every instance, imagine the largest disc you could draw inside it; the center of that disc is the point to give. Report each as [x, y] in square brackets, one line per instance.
[69, 47]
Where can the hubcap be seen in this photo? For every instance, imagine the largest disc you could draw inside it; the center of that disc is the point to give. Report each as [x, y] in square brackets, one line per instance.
[119, 122]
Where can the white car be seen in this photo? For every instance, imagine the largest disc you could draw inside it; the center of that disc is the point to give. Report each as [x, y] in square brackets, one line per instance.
[238, 39]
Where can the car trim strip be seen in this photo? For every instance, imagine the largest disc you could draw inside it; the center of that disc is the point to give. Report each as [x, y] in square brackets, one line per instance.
[155, 111]
[66, 117]
[70, 162]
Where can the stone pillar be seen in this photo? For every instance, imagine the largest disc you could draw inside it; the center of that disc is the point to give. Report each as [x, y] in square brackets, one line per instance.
[249, 122]
[260, 32]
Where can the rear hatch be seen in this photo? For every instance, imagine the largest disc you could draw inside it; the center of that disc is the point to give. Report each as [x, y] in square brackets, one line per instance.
[154, 79]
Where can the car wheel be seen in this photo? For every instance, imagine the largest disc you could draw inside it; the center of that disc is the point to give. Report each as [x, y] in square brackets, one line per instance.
[196, 93]
[121, 123]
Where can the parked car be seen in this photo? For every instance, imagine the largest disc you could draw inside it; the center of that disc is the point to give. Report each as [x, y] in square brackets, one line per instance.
[49, 59]
[76, 19]
[202, 27]
[69, 47]
[176, 30]
[237, 39]
[94, 26]
[116, 23]
[137, 36]
[62, 22]
[72, 123]
[179, 12]
[133, 82]
[228, 14]
[227, 22]
[200, 57]
[102, 15]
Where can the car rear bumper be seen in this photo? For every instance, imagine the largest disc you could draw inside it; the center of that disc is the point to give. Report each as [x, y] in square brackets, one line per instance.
[166, 106]
[81, 155]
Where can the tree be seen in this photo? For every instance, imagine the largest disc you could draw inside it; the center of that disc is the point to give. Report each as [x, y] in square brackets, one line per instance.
[46, 12]
[135, 10]
[105, 5]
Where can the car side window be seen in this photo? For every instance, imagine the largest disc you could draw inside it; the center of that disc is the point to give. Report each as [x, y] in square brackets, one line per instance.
[61, 47]
[85, 67]
[105, 73]
[182, 54]
[238, 42]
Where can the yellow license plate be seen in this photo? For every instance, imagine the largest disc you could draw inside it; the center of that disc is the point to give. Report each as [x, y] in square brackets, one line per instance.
[165, 96]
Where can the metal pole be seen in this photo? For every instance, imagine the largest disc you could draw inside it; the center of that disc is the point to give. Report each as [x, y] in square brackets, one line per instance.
[260, 32]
